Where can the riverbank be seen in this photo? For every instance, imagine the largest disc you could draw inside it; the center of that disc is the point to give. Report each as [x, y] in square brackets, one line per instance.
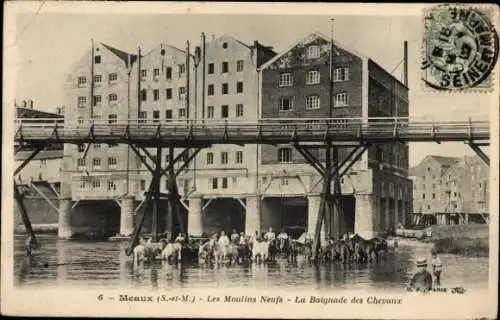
[470, 240]
[37, 228]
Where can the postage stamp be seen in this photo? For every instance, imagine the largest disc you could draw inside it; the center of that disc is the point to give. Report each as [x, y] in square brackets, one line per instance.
[460, 48]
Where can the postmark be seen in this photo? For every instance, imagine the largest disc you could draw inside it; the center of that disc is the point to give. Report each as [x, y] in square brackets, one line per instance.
[460, 49]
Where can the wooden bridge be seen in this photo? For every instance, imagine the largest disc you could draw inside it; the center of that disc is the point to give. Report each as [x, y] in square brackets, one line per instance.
[325, 133]
[189, 133]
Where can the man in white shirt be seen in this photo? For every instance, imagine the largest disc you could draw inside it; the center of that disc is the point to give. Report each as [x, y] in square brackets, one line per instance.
[180, 238]
[223, 239]
[270, 235]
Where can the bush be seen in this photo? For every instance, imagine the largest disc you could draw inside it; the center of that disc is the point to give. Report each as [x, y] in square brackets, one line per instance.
[472, 247]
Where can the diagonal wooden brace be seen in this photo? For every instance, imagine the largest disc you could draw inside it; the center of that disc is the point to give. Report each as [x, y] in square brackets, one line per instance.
[188, 160]
[140, 157]
[27, 160]
[311, 159]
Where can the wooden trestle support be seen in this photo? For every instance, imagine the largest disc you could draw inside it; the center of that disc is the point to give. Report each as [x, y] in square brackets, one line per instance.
[154, 195]
[330, 208]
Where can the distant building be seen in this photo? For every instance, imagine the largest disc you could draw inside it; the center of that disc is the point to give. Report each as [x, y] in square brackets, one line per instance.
[26, 109]
[39, 180]
[450, 185]
[45, 166]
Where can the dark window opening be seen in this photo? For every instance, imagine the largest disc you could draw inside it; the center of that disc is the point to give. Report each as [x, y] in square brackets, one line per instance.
[224, 111]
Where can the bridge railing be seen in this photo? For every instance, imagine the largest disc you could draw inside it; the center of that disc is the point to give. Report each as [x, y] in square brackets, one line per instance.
[277, 127]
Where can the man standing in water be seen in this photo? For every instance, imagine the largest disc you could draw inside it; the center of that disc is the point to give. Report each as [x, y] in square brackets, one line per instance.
[422, 280]
[436, 267]
[270, 236]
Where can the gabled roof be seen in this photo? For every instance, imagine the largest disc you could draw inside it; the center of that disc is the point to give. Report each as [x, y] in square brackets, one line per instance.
[312, 36]
[43, 155]
[121, 54]
[164, 45]
[232, 38]
[445, 161]
[34, 113]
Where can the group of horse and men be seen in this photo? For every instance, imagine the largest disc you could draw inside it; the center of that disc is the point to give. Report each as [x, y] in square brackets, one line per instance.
[260, 247]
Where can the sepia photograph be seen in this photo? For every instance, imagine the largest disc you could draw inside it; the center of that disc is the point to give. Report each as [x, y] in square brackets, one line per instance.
[326, 160]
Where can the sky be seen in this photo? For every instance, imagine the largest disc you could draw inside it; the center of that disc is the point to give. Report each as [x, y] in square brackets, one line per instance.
[47, 43]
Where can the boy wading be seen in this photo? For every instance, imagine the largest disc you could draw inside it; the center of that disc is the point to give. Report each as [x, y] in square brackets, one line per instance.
[437, 267]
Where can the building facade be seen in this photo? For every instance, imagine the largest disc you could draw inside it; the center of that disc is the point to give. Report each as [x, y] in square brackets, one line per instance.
[226, 186]
[165, 84]
[296, 84]
[450, 185]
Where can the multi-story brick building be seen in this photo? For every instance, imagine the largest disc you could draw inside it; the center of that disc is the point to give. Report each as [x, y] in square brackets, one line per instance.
[450, 185]
[295, 83]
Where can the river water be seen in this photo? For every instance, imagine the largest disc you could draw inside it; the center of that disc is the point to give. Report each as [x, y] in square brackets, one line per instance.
[66, 263]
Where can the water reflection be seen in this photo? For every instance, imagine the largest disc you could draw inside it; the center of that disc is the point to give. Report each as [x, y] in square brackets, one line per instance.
[83, 263]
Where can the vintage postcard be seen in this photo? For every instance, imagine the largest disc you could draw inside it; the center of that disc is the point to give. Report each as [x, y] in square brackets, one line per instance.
[250, 160]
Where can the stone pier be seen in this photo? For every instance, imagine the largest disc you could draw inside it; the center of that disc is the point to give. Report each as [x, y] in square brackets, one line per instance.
[252, 216]
[127, 216]
[64, 230]
[195, 218]
[313, 204]
[366, 215]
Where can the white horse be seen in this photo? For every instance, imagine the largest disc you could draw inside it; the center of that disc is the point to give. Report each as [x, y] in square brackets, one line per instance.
[139, 254]
[172, 250]
[260, 250]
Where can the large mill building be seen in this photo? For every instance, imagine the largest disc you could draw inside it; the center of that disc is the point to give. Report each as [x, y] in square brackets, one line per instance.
[229, 187]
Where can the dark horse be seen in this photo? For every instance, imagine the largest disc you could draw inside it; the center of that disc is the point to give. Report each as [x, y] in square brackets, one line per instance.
[342, 250]
[244, 252]
[289, 248]
[273, 250]
[368, 250]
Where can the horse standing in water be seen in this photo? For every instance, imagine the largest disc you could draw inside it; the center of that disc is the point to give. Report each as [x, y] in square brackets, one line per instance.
[172, 251]
[206, 251]
[289, 248]
[244, 250]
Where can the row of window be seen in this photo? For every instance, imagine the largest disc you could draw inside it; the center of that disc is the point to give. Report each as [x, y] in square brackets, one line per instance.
[224, 183]
[97, 146]
[224, 111]
[224, 88]
[156, 114]
[97, 101]
[82, 80]
[434, 195]
[96, 162]
[314, 77]
[168, 94]
[313, 102]
[182, 183]
[225, 67]
[181, 70]
[96, 184]
[224, 157]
